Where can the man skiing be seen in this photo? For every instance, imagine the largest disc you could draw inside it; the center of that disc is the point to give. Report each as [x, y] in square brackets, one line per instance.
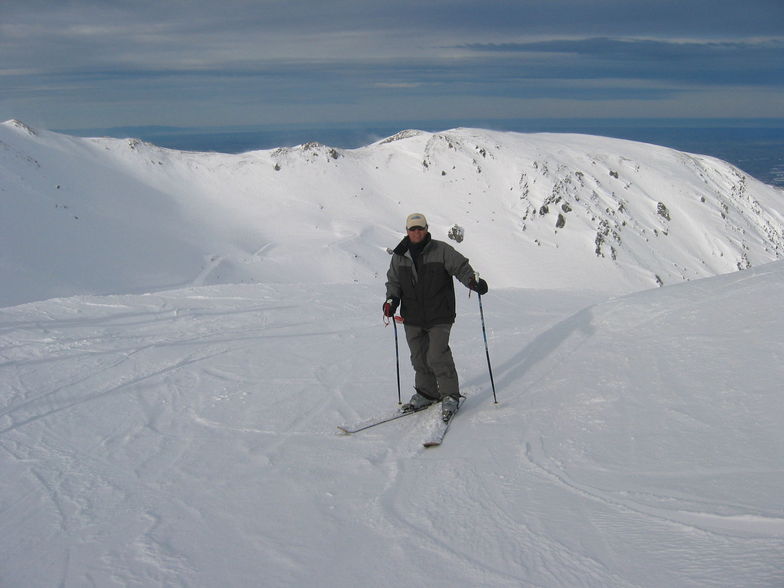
[420, 280]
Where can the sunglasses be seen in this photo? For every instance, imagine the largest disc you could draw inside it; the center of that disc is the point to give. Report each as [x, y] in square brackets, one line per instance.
[416, 228]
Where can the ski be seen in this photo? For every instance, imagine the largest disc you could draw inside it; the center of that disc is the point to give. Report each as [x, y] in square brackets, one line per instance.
[377, 420]
[437, 431]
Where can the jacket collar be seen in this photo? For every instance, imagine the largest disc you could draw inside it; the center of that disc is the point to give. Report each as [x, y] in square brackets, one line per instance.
[404, 246]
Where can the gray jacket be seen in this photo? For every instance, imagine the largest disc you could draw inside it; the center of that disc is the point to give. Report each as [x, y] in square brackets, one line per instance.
[426, 290]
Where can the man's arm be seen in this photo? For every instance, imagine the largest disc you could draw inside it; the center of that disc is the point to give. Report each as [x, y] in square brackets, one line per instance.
[457, 265]
[393, 281]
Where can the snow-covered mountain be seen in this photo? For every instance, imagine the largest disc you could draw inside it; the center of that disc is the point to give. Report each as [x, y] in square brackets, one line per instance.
[187, 436]
[533, 210]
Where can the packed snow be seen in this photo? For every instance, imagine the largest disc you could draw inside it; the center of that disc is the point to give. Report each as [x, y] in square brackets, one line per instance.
[175, 361]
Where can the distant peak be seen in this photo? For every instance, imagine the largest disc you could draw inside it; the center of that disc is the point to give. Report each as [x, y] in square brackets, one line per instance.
[402, 135]
[18, 124]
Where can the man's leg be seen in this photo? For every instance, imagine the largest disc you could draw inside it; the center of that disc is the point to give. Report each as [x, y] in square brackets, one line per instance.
[440, 361]
[424, 379]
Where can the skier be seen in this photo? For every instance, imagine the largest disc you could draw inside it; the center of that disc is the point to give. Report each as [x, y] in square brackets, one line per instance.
[420, 280]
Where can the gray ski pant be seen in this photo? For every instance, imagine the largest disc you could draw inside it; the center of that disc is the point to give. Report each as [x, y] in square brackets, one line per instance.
[435, 373]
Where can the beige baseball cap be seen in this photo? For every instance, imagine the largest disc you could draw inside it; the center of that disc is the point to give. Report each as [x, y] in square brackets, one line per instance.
[416, 219]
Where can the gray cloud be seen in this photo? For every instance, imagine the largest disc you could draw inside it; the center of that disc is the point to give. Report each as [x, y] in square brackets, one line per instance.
[132, 59]
[712, 62]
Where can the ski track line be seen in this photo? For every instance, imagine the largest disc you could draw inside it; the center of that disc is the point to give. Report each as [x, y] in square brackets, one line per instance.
[210, 424]
[301, 426]
[118, 389]
[125, 354]
[533, 554]
[721, 525]
[89, 476]
[52, 494]
[420, 538]
[168, 567]
[529, 553]
[212, 264]
[27, 401]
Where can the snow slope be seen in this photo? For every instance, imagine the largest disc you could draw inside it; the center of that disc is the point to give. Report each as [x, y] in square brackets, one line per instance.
[163, 423]
[537, 210]
[188, 438]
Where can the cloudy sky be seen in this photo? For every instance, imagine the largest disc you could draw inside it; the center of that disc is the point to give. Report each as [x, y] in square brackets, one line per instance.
[91, 63]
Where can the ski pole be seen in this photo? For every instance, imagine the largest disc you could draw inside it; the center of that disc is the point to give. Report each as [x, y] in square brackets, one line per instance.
[487, 350]
[397, 361]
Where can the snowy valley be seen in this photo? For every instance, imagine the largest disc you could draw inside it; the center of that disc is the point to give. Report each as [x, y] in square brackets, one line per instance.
[181, 333]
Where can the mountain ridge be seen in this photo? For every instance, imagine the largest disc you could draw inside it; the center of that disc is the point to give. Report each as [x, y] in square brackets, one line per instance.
[545, 210]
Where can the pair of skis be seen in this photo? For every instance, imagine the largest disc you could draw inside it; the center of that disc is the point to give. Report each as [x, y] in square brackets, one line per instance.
[435, 434]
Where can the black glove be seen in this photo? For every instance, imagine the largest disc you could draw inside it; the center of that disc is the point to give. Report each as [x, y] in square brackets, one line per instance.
[478, 286]
[390, 306]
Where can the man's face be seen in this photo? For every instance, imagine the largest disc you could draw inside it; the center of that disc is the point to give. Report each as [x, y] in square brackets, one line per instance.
[417, 234]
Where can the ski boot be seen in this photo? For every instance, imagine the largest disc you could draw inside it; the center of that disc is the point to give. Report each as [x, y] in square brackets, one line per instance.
[418, 402]
[449, 407]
